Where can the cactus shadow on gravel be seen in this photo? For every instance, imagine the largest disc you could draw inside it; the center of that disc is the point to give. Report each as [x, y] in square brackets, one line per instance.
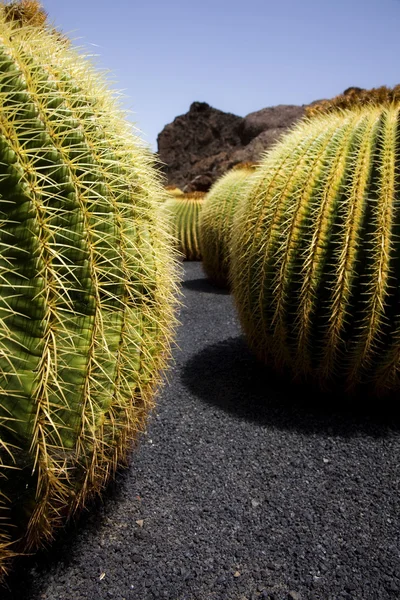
[22, 581]
[227, 376]
[204, 285]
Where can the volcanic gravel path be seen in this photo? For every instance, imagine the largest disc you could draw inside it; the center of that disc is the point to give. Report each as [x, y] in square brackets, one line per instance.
[240, 490]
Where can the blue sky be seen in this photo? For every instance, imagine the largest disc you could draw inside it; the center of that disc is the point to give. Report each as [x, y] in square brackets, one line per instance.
[238, 56]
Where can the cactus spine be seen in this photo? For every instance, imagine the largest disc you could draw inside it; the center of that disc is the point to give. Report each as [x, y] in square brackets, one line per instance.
[216, 221]
[316, 253]
[182, 213]
[87, 285]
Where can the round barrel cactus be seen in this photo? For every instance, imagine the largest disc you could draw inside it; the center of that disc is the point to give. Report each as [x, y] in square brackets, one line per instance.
[316, 250]
[216, 221]
[87, 284]
[182, 213]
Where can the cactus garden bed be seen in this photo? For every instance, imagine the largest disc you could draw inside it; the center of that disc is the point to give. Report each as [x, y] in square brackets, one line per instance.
[240, 490]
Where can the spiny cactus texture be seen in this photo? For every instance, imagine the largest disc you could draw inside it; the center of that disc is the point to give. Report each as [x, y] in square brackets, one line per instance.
[316, 250]
[182, 215]
[87, 285]
[355, 96]
[25, 12]
[216, 221]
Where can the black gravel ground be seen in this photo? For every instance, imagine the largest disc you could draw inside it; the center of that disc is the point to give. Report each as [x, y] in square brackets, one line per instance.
[241, 490]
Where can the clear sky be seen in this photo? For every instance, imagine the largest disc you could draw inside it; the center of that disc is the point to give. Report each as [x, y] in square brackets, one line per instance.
[237, 55]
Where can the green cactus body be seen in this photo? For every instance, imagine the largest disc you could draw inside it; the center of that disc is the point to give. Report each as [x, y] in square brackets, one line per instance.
[316, 253]
[87, 285]
[217, 218]
[182, 213]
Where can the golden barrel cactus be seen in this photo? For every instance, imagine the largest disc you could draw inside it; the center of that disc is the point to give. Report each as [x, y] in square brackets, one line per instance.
[87, 284]
[216, 221]
[316, 252]
[182, 213]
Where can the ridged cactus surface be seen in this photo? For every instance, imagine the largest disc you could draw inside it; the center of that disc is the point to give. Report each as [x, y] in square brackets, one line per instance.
[182, 213]
[316, 250]
[216, 221]
[87, 285]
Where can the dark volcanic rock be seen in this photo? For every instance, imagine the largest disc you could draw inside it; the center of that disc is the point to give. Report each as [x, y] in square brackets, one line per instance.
[253, 151]
[198, 147]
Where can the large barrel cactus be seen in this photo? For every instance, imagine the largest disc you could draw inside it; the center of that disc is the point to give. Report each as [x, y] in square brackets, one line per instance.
[316, 250]
[182, 214]
[87, 284]
[216, 221]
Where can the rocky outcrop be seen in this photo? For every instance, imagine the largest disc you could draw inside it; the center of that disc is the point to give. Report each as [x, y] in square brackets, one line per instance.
[276, 119]
[198, 147]
[196, 144]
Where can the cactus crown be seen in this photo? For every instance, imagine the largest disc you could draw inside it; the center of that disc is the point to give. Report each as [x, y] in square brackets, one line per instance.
[173, 190]
[25, 12]
[250, 166]
[193, 196]
[353, 97]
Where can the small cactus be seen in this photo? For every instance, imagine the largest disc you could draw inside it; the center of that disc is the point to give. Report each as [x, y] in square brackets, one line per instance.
[87, 284]
[182, 214]
[217, 218]
[316, 252]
